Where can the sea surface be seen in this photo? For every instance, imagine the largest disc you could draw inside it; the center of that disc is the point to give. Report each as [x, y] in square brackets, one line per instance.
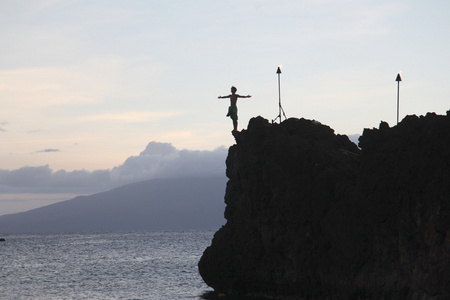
[137, 265]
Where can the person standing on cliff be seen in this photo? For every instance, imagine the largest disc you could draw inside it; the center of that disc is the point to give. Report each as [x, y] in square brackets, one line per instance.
[232, 110]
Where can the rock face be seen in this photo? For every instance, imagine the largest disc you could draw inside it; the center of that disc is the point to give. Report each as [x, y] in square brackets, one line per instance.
[310, 215]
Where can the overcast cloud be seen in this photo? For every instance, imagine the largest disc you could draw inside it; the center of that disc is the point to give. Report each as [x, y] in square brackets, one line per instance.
[158, 160]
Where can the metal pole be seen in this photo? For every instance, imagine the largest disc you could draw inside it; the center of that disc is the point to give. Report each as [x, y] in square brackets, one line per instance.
[280, 108]
[279, 97]
[398, 99]
[398, 79]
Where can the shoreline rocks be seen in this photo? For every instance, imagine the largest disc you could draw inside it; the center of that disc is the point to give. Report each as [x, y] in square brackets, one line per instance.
[311, 215]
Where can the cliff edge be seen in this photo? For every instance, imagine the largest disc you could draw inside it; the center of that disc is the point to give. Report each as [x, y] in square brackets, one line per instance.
[311, 215]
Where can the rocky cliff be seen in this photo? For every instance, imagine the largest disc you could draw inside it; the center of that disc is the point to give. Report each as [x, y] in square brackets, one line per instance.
[310, 215]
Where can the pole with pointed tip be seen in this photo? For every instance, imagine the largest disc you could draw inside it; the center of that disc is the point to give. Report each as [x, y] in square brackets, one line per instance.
[279, 93]
[398, 79]
[280, 108]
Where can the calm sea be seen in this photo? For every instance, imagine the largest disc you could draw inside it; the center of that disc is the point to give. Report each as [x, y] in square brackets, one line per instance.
[139, 265]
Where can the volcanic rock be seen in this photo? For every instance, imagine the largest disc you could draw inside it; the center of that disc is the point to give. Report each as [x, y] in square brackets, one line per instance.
[311, 215]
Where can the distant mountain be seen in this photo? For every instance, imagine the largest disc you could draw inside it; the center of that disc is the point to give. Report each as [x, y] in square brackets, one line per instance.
[354, 138]
[157, 204]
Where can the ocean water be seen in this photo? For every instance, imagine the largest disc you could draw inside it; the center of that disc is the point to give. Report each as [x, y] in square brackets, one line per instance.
[137, 265]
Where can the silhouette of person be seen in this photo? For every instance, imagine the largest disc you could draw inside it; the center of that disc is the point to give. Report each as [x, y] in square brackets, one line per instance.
[232, 110]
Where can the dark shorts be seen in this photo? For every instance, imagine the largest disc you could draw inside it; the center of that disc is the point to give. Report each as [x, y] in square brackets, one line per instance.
[232, 113]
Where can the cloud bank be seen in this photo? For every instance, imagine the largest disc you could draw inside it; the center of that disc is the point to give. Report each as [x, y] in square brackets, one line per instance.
[48, 150]
[158, 160]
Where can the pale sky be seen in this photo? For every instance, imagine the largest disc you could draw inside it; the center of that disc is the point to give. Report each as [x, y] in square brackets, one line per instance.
[84, 85]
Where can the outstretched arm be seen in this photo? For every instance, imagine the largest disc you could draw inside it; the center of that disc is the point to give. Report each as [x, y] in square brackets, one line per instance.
[248, 96]
[221, 97]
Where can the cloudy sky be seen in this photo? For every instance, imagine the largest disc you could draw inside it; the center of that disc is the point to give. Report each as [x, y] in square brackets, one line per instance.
[85, 86]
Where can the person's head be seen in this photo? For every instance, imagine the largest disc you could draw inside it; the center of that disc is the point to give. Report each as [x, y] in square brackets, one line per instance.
[233, 89]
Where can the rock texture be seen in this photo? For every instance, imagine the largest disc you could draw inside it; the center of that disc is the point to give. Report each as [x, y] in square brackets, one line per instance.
[310, 215]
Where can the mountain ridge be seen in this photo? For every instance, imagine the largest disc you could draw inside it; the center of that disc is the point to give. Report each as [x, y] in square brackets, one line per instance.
[156, 204]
